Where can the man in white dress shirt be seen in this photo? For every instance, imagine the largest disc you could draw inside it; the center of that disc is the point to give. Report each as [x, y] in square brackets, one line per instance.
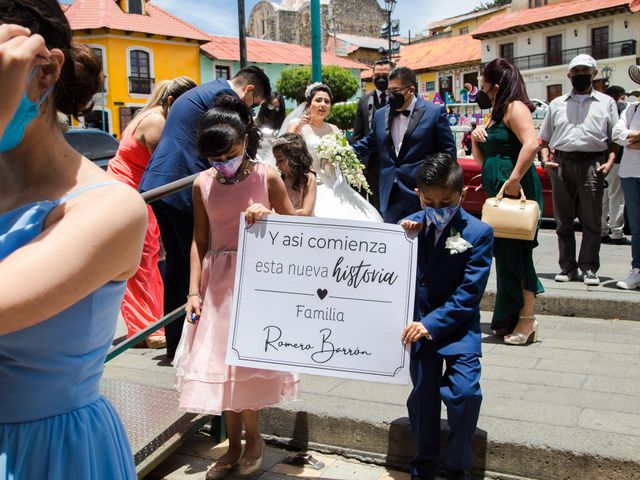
[402, 134]
[577, 128]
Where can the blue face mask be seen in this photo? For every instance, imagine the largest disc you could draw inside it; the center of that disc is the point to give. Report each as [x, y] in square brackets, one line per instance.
[440, 217]
[25, 114]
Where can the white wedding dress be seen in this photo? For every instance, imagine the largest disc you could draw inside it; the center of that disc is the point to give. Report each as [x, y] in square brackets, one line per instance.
[335, 197]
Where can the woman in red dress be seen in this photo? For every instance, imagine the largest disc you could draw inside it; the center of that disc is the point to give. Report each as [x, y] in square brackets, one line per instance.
[143, 300]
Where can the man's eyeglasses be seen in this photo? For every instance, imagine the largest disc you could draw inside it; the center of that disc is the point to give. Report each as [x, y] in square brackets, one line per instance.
[397, 90]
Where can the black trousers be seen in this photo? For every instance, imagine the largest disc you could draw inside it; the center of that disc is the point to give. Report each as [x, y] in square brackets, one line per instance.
[176, 230]
[577, 189]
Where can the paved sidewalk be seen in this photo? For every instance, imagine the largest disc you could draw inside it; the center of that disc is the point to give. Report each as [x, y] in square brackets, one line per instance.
[565, 406]
[192, 460]
[576, 298]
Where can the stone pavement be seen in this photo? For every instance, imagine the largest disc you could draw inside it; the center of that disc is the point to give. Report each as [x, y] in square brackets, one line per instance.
[565, 406]
[192, 460]
[575, 298]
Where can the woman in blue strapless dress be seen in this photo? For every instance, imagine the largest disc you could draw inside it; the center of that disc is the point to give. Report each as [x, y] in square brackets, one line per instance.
[70, 236]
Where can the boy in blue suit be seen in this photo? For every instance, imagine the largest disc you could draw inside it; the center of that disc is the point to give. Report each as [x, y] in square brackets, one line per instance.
[454, 260]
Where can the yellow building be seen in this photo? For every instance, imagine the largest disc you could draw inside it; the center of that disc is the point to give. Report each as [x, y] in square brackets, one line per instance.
[463, 24]
[139, 44]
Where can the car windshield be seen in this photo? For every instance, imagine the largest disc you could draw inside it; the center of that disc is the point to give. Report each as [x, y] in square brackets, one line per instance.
[93, 145]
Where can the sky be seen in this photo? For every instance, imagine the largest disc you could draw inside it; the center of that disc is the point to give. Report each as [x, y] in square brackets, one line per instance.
[220, 17]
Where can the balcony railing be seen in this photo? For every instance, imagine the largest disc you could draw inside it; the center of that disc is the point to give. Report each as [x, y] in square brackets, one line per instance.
[563, 57]
[141, 85]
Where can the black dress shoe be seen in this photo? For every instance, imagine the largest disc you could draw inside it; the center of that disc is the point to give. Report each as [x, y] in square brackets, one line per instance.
[457, 475]
[619, 241]
[606, 239]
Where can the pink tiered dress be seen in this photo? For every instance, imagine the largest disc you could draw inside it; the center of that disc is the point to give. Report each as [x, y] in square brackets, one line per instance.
[206, 384]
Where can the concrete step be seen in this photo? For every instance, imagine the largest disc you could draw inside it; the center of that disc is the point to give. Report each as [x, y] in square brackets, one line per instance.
[564, 408]
[586, 304]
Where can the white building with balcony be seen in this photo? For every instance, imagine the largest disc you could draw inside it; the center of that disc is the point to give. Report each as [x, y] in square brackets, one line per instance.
[542, 40]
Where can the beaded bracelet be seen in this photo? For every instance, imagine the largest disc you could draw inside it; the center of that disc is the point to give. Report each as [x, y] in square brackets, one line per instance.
[194, 295]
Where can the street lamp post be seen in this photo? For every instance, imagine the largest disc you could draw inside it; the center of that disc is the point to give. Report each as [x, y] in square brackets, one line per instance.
[316, 41]
[389, 28]
[606, 74]
[242, 34]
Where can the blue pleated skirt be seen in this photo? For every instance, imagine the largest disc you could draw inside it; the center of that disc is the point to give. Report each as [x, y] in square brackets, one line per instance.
[88, 443]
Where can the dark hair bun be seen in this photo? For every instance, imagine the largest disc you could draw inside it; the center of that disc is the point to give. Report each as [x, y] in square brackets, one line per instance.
[217, 139]
[226, 125]
[233, 104]
[80, 79]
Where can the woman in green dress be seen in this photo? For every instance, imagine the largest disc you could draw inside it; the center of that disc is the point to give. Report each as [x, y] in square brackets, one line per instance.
[506, 149]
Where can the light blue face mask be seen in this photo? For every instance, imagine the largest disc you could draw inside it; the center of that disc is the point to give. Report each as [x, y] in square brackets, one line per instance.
[440, 217]
[25, 114]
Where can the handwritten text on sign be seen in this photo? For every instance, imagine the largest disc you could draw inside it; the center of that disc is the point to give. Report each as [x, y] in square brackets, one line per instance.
[323, 296]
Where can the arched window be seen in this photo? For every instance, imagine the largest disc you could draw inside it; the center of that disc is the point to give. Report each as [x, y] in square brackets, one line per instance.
[140, 65]
[100, 52]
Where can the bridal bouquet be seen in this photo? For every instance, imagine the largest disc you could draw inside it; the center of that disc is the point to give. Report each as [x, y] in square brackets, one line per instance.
[336, 150]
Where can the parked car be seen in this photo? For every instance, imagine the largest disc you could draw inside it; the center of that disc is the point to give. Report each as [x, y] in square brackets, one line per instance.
[96, 145]
[476, 195]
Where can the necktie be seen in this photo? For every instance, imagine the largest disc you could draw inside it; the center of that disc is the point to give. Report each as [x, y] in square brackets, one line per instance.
[406, 113]
[383, 99]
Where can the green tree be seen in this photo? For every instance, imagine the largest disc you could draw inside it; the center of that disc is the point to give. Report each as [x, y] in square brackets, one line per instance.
[343, 115]
[294, 81]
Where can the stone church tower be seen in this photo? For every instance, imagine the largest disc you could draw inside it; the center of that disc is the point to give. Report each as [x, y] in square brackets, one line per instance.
[289, 20]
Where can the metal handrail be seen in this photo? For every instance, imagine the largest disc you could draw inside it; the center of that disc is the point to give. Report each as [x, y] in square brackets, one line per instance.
[149, 197]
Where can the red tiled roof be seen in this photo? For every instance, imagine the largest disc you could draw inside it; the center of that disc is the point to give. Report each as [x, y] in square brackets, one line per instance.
[91, 14]
[268, 51]
[635, 5]
[439, 53]
[538, 15]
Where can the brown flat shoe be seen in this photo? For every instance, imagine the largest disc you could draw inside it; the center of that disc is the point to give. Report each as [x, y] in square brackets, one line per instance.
[220, 470]
[156, 342]
[249, 467]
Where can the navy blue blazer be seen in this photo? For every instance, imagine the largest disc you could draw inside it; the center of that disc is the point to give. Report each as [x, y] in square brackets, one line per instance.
[428, 132]
[449, 287]
[176, 156]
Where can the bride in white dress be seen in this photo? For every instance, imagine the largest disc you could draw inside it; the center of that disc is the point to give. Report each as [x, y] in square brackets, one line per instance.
[335, 197]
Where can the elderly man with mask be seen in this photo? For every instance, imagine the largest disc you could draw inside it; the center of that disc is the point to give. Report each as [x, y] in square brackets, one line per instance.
[577, 128]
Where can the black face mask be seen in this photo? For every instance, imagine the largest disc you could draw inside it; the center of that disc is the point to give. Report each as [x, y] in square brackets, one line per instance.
[483, 100]
[396, 100]
[381, 83]
[581, 82]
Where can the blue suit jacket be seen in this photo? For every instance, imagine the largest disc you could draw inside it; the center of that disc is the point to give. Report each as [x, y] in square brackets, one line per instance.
[176, 156]
[449, 286]
[428, 132]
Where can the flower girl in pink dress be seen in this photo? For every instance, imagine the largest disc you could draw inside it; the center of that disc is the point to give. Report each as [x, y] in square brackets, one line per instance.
[228, 138]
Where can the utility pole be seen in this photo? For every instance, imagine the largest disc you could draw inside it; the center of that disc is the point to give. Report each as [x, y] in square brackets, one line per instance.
[316, 42]
[242, 34]
[390, 30]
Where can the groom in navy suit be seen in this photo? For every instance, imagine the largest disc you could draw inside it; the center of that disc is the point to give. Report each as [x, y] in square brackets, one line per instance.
[403, 133]
[454, 260]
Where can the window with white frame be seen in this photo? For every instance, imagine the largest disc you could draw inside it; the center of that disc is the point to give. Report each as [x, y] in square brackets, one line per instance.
[140, 69]
[101, 52]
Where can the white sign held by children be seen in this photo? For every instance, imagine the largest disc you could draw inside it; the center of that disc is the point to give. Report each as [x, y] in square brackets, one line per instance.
[323, 297]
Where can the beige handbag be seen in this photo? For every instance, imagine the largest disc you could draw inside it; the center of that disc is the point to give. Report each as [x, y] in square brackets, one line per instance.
[515, 218]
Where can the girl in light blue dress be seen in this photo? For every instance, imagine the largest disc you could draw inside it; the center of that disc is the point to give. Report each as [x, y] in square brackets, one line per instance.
[70, 237]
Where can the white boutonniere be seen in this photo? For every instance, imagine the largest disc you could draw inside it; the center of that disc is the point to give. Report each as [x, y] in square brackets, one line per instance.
[456, 244]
